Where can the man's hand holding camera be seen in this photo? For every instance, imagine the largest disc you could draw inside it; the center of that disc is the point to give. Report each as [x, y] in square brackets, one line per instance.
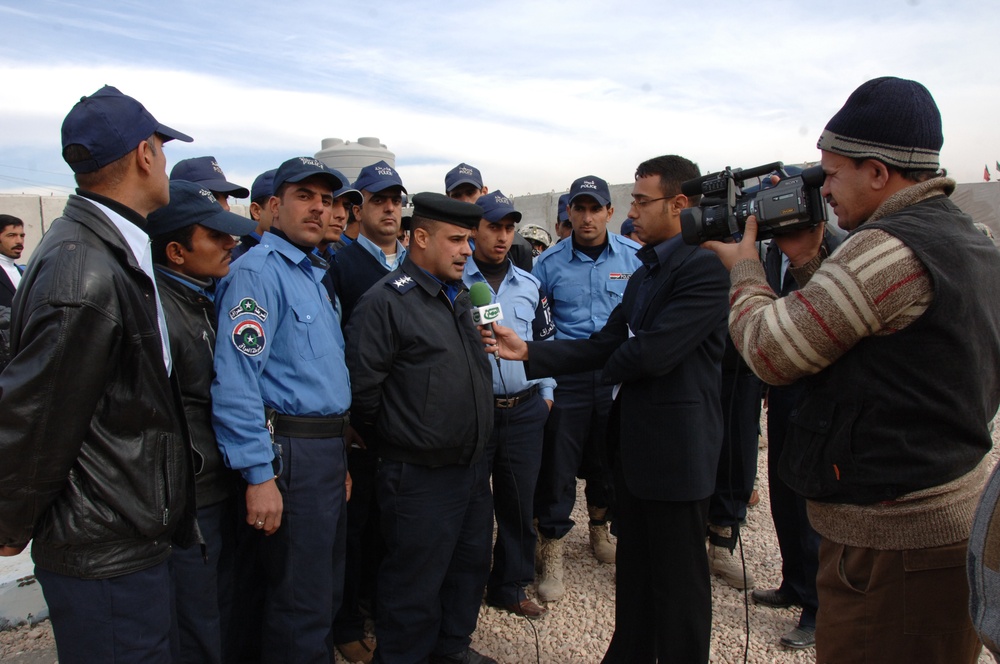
[801, 246]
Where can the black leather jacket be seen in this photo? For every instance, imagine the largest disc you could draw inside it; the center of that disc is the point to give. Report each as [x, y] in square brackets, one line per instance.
[191, 323]
[93, 462]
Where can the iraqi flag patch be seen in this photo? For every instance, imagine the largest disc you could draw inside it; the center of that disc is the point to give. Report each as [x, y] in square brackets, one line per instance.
[248, 337]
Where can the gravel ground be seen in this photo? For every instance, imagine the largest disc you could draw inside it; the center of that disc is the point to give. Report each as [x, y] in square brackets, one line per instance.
[578, 628]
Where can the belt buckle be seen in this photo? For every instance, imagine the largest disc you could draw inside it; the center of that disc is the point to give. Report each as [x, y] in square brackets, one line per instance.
[506, 403]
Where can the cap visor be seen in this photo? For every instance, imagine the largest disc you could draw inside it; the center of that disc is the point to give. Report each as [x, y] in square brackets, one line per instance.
[376, 187]
[171, 134]
[353, 194]
[597, 197]
[460, 182]
[225, 187]
[229, 222]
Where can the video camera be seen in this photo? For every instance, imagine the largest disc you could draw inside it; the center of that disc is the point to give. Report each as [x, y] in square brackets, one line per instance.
[793, 203]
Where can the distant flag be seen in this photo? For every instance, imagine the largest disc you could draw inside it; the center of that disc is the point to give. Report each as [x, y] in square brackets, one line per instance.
[986, 173]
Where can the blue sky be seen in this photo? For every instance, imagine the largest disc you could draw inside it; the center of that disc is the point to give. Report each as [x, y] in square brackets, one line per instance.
[533, 93]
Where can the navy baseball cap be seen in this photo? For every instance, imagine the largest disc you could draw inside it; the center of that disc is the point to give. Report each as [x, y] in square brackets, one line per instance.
[496, 206]
[562, 214]
[207, 172]
[628, 227]
[298, 169]
[463, 174]
[378, 176]
[263, 185]
[193, 203]
[109, 125]
[590, 185]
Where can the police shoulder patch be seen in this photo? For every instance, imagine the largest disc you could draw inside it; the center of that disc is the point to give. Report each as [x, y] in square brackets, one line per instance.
[402, 284]
[248, 337]
[248, 305]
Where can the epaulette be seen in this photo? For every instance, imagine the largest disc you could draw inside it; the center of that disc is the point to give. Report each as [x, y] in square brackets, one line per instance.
[252, 260]
[401, 284]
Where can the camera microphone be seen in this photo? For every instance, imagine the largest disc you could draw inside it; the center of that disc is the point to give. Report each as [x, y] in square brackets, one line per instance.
[486, 311]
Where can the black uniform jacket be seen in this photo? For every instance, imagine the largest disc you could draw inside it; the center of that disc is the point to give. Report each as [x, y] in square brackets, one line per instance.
[419, 373]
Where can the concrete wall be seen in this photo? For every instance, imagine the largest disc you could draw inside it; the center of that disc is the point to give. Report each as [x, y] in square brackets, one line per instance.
[38, 212]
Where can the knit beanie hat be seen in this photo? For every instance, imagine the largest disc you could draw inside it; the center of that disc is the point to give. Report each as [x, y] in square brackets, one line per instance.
[889, 119]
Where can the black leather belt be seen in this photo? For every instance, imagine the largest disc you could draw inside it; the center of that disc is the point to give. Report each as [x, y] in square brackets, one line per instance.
[515, 399]
[307, 427]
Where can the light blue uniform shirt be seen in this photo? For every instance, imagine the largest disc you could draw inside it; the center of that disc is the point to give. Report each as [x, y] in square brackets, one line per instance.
[518, 298]
[379, 255]
[279, 344]
[583, 292]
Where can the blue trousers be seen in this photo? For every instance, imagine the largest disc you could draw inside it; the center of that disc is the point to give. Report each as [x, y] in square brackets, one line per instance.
[203, 587]
[364, 546]
[438, 528]
[575, 444]
[124, 620]
[303, 561]
[515, 454]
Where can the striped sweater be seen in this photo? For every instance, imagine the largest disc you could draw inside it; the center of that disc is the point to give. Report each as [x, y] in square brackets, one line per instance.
[872, 284]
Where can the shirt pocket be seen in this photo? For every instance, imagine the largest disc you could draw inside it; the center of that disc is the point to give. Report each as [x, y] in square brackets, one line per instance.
[616, 290]
[312, 336]
[524, 316]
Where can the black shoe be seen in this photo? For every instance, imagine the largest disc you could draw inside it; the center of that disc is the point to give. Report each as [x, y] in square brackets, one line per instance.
[773, 597]
[798, 638]
[470, 656]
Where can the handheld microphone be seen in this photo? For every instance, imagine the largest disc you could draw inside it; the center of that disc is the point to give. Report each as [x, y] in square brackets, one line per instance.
[485, 312]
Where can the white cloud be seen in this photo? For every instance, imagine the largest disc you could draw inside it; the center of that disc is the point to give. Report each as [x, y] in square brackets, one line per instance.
[534, 94]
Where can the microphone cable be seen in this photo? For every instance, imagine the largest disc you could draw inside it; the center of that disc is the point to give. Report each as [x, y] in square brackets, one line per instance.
[502, 439]
[731, 425]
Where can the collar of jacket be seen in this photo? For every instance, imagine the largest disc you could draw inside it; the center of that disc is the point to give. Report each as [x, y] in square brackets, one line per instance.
[430, 284]
[125, 211]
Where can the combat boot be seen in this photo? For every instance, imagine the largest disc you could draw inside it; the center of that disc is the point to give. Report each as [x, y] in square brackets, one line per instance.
[550, 554]
[600, 535]
[725, 564]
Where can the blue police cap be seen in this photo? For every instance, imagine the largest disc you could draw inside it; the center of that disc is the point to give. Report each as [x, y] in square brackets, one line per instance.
[192, 203]
[109, 125]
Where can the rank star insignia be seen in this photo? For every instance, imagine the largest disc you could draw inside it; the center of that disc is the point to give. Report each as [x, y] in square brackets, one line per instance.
[248, 337]
[248, 305]
[402, 281]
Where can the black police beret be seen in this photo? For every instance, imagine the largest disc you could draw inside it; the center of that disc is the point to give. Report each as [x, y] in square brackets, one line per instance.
[441, 208]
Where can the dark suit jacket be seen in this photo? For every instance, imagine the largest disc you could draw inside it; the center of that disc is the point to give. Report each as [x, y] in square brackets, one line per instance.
[6, 290]
[669, 404]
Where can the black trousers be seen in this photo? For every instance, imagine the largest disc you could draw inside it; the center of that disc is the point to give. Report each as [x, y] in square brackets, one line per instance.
[663, 600]
[738, 462]
[798, 542]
